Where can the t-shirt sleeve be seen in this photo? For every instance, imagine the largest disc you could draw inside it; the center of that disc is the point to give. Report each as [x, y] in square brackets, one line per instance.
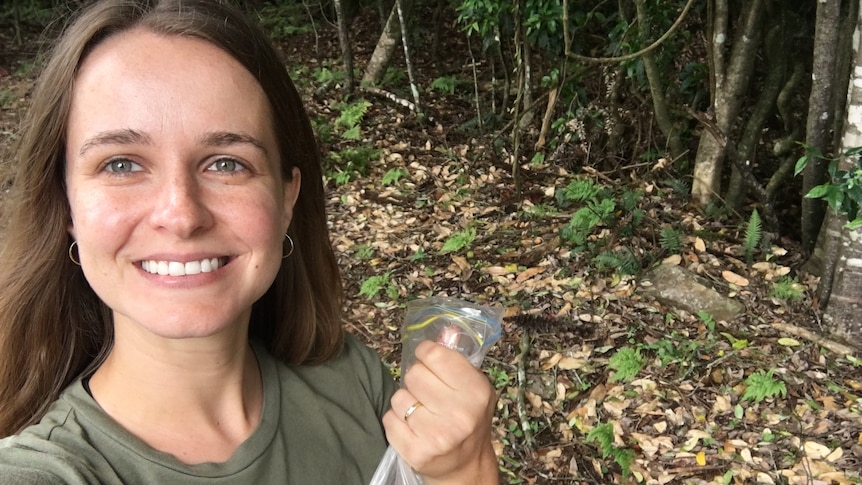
[376, 380]
[42, 464]
[14, 475]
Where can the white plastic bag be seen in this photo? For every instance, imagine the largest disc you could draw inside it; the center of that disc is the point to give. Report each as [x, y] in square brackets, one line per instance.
[460, 325]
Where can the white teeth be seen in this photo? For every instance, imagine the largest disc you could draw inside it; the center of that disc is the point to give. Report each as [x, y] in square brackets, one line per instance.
[176, 268]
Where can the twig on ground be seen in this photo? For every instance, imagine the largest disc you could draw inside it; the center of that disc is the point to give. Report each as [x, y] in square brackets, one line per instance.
[522, 385]
[836, 347]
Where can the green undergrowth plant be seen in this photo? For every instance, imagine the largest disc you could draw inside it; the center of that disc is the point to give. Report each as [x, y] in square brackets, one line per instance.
[445, 84]
[753, 234]
[602, 435]
[670, 239]
[459, 240]
[762, 385]
[595, 207]
[786, 288]
[393, 175]
[626, 363]
[675, 349]
[6, 97]
[350, 163]
[350, 119]
[621, 261]
[677, 186]
[372, 286]
[283, 19]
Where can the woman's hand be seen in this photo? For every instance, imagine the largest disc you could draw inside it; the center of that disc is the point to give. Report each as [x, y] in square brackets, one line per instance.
[447, 437]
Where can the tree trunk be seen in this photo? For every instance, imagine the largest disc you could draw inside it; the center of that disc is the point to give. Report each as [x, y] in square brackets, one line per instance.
[402, 19]
[386, 46]
[729, 83]
[819, 119]
[777, 59]
[663, 117]
[843, 315]
[346, 52]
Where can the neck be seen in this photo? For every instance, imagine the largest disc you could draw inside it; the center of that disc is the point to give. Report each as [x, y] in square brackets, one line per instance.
[197, 398]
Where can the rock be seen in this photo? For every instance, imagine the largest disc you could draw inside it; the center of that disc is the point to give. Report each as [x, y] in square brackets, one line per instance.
[679, 288]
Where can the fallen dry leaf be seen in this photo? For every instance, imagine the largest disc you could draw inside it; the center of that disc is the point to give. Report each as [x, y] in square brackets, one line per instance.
[734, 278]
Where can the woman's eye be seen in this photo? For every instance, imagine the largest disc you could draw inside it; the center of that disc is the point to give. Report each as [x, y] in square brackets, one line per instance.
[227, 165]
[122, 165]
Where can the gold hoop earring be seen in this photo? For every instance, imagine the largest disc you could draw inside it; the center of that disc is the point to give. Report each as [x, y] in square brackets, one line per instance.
[72, 255]
[292, 246]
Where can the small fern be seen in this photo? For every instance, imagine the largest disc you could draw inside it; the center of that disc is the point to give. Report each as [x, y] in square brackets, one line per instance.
[753, 233]
[350, 118]
[670, 239]
[578, 190]
[445, 84]
[459, 240]
[786, 288]
[761, 385]
[373, 285]
[585, 219]
[622, 262]
[393, 175]
[627, 362]
[677, 185]
[603, 436]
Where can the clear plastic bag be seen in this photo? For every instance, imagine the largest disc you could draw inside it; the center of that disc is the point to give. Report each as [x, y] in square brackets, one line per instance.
[460, 325]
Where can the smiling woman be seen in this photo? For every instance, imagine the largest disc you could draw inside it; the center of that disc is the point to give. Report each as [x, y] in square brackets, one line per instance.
[174, 314]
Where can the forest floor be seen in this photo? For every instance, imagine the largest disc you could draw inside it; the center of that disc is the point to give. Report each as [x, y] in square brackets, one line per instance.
[597, 382]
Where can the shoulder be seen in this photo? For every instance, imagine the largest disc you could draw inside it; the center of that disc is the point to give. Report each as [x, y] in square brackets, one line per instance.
[16, 475]
[355, 371]
[31, 459]
[54, 450]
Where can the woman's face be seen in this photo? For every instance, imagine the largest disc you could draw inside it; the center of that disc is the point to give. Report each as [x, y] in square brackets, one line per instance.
[174, 182]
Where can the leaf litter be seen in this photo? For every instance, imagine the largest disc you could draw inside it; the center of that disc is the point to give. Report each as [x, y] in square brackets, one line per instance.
[597, 383]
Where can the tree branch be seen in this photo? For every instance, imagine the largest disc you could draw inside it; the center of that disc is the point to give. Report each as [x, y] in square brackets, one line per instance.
[633, 55]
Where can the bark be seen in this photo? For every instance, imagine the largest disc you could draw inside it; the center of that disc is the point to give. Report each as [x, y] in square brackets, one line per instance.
[764, 107]
[384, 49]
[819, 119]
[730, 81]
[843, 66]
[346, 51]
[438, 29]
[663, 117]
[843, 315]
[402, 19]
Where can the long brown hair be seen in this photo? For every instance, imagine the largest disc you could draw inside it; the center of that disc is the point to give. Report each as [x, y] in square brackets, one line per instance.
[53, 327]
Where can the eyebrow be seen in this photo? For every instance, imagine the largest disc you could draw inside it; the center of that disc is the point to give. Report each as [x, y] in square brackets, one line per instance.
[134, 137]
[227, 138]
[116, 137]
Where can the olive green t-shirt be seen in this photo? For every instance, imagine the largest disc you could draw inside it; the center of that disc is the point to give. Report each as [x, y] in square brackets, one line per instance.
[320, 425]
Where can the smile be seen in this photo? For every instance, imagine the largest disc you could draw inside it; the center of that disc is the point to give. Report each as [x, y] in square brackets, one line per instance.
[175, 268]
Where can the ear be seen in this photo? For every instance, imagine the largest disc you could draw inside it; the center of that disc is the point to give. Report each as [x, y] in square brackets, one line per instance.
[291, 194]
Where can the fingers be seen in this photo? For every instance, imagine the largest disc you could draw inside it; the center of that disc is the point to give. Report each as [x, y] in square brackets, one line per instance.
[447, 365]
[440, 420]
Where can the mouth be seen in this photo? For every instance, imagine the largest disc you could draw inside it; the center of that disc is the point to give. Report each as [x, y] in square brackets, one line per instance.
[176, 268]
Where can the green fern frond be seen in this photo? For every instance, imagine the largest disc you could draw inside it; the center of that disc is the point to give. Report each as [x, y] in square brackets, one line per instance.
[627, 362]
[753, 233]
[579, 190]
[622, 262]
[352, 114]
[670, 239]
[603, 436]
[762, 385]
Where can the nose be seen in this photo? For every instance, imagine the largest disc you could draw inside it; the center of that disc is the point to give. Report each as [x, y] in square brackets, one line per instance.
[180, 206]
